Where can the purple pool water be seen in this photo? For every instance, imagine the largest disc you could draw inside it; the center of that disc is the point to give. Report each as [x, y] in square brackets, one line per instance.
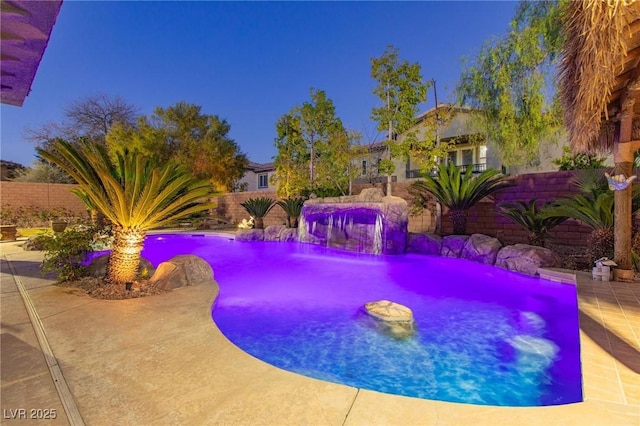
[484, 335]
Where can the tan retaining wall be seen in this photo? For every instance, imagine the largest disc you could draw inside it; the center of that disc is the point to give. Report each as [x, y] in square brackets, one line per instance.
[230, 208]
[40, 196]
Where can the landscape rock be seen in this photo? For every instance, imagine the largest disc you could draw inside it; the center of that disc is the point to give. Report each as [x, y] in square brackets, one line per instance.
[370, 195]
[181, 271]
[387, 310]
[250, 235]
[452, 245]
[98, 267]
[392, 319]
[481, 248]
[424, 244]
[288, 234]
[527, 259]
[272, 233]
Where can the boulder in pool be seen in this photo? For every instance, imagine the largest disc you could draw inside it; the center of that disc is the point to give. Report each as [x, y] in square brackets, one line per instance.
[392, 319]
[452, 245]
[387, 310]
[424, 244]
[272, 233]
[481, 248]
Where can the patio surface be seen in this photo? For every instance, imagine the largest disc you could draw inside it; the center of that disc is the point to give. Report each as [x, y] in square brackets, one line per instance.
[161, 360]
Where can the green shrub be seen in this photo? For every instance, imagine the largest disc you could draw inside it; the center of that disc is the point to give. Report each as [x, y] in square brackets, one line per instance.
[65, 252]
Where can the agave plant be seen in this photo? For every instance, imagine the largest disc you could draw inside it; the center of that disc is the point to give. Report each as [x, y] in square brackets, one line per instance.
[459, 192]
[133, 192]
[292, 207]
[530, 217]
[258, 209]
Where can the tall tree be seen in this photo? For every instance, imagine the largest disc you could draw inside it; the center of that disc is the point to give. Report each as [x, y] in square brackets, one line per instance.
[291, 162]
[90, 117]
[311, 137]
[510, 83]
[198, 141]
[400, 89]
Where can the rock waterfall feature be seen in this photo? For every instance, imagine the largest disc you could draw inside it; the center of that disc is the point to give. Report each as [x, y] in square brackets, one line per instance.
[365, 223]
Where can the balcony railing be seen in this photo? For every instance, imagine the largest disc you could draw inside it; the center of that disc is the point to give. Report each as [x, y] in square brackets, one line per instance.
[477, 168]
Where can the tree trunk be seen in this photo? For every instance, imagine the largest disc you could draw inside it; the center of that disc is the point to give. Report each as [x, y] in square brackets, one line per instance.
[623, 152]
[459, 220]
[125, 255]
[258, 223]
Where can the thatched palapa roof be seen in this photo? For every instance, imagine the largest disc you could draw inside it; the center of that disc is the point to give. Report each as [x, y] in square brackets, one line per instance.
[600, 69]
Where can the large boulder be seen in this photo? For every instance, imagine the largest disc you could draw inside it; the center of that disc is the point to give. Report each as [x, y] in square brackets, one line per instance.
[181, 271]
[272, 233]
[250, 235]
[370, 195]
[392, 319]
[424, 244]
[98, 267]
[481, 248]
[387, 310]
[288, 234]
[527, 259]
[452, 245]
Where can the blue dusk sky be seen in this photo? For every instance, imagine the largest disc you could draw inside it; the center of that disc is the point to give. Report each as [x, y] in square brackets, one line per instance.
[247, 62]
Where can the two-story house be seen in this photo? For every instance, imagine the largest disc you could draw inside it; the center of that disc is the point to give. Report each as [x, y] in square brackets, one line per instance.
[468, 147]
[257, 177]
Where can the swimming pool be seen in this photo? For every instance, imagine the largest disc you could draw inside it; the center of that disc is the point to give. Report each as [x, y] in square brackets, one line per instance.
[483, 335]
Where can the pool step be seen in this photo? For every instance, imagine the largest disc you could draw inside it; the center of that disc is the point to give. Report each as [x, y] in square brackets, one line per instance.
[558, 275]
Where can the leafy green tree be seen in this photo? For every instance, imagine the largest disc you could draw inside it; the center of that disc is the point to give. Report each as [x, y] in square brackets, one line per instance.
[195, 140]
[315, 151]
[291, 162]
[459, 192]
[579, 161]
[510, 83]
[400, 89]
[134, 192]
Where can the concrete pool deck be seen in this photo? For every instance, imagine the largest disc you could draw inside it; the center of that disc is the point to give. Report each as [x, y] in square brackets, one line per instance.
[162, 360]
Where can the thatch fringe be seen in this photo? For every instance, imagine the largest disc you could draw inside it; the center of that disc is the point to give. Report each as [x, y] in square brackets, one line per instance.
[593, 56]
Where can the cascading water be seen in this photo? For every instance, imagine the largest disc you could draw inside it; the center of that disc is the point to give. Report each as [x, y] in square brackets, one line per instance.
[368, 223]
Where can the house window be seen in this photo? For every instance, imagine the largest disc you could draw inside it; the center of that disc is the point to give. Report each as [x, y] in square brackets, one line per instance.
[263, 180]
[364, 167]
[452, 157]
[378, 165]
[483, 155]
[467, 157]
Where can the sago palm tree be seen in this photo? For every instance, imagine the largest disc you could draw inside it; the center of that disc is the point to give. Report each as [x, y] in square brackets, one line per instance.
[292, 207]
[530, 217]
[258, 209]
[594, 210]
[460, 191]
[594, 207]
[133, 192]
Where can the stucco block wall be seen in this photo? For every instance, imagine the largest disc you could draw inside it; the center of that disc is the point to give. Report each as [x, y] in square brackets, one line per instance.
[230, 208]
[40, 196]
